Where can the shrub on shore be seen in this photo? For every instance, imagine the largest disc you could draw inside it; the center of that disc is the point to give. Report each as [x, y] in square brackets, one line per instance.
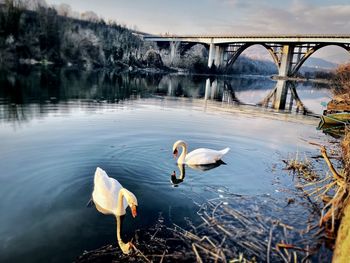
[342, 81]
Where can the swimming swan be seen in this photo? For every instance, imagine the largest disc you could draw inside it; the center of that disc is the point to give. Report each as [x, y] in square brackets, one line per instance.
[110, 197]
[201, 156]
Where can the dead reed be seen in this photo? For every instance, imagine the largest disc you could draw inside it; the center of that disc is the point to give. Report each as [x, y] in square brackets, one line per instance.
[234, 228]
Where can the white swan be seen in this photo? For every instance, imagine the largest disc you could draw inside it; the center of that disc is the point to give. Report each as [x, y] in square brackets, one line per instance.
[201, 156]
[110, 197]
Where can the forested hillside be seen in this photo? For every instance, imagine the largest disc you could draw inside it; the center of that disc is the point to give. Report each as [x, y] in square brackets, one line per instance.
[31, 32]
[44, 36]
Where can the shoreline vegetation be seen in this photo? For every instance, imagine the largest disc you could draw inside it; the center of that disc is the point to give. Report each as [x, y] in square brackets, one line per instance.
[342, 96]
[331, 192]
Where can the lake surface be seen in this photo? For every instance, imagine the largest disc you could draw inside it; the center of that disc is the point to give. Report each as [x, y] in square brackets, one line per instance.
[56, 127]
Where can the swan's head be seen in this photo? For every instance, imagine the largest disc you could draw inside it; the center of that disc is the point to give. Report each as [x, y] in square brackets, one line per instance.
[177, 144]
[174, 180]
[132, 202]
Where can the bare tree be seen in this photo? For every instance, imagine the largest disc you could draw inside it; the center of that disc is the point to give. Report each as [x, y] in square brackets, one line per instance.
[64, 10]
[90, 16]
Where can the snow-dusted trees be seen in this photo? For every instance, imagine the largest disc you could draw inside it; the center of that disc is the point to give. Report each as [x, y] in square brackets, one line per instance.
[10, 17]
[34, 4]
[51, 34]
[82, 46]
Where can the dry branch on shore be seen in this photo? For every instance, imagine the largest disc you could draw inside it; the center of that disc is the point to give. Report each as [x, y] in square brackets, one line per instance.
[333, 191]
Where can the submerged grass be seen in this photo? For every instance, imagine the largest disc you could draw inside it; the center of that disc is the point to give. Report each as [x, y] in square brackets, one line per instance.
[234, 228]
[302, 168]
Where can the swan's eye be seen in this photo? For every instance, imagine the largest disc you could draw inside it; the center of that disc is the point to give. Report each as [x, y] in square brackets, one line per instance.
[175, 151]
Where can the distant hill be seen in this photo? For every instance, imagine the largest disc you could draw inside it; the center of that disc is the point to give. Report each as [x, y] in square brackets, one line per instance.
[319, 63]
[247, 65]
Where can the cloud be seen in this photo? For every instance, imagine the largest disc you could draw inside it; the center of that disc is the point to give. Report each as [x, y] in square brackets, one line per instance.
[226, 16]
[299, 18]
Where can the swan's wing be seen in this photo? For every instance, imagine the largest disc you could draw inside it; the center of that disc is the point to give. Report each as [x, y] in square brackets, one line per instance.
[204, 156]
[105, 194]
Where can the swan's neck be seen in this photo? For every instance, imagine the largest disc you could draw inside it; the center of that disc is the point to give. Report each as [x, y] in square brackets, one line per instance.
[120, 207]
[125, 247]
[182, 157]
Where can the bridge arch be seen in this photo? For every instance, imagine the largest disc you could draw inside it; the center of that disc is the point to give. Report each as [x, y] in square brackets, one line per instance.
[311, 51]
[238, 51]
[186, 46]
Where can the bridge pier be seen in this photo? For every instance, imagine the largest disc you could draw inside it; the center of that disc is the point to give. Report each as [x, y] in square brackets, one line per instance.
[174, 47]
[211, 57]
[219, 56]
[216, 55]
[285, 65]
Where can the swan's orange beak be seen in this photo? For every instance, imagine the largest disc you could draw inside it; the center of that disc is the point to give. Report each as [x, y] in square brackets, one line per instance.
[175, 153]
[133, 211]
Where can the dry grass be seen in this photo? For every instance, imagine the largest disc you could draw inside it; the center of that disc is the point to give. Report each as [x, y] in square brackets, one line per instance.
[234, 228]
[346, 151]
[342, 81]
[303, 168]
[333, 191]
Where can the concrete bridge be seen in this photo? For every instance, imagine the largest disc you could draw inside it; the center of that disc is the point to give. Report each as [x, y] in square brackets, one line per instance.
[288, 52]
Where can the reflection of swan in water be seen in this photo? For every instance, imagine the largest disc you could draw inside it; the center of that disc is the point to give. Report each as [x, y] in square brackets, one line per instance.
[201, 156]
[176, 181]
[205, 167]
[110, 197]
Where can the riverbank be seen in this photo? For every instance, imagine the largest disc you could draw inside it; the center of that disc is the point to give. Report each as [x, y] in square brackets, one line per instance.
[342, 99]
[302, 79]
[342, 247]
[335, 214]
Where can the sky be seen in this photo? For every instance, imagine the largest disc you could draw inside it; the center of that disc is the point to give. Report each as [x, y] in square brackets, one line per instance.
[223, 16]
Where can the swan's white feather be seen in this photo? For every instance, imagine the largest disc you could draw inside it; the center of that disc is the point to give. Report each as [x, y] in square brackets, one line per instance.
[105, 194]
[203, 156]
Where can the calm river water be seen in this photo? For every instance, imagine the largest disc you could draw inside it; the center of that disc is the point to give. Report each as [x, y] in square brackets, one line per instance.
[56, 127]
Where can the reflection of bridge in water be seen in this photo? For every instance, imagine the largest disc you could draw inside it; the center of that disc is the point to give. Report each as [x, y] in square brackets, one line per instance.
[279, 95]
[284, 96]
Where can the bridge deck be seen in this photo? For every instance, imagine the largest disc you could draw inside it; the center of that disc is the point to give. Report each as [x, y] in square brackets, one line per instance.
[226, 39]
